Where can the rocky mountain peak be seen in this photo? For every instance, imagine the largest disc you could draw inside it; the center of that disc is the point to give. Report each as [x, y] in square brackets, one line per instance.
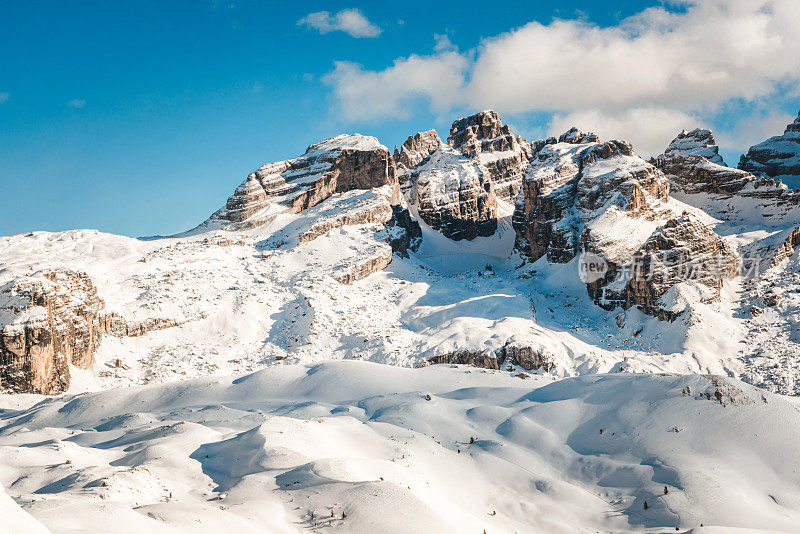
[576, 136]
[482, 132]
[794, 127]
[335, 165]
[777, 157]
[417, 147]
[699, 142]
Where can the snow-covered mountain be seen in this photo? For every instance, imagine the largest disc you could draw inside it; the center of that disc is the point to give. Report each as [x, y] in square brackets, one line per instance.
[537, 267]
[777, 157]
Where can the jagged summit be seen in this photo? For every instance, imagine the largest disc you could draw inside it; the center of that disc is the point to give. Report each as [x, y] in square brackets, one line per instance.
[260, 280]
[335, 165]
[342, 142]
[699, 142]
[576, 136]
[777, 157]
[481, 132]
[416, 148]
[693, 165]
[581, 197]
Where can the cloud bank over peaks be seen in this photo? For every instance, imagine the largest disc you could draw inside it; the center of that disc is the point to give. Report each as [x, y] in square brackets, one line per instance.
[656, 71]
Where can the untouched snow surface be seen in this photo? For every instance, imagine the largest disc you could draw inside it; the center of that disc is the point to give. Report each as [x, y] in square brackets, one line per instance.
[359, 447]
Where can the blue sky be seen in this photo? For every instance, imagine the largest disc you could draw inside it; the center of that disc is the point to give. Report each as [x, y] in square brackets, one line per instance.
[140, 118]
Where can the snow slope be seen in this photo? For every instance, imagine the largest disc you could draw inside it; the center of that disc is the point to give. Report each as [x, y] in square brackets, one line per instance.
[249, 299]
[437, 449]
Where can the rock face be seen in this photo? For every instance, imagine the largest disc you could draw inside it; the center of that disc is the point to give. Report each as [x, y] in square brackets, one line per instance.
[48, 322]
[699, 142]
[777, 157]
[521, 355]
[51, 320]
[484, 138]
[117, 326]
[455, 195]
[602, 201]
[456, 186]
[693, 165]
[374, 263]
[333, 166]
[337, 165]
[696, 177]
[680, 250]
[416, 148]
[570, 184]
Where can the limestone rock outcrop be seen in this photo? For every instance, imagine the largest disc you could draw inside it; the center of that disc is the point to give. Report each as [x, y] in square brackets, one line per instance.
[603, 202]
[777, 157]
[693, 165]
[456, 186]
[524, 356]
[683, 249]
[455, 195]
[115, 325]
[484, 138]
[697, 177]
[699, 142]
[416, 148]
[336, 165]
[371, 261]
[48, 321]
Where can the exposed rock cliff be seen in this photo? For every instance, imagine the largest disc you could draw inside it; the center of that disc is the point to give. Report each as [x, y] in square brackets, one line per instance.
[693, 165]
[484, 138]
[607, 203]
[778, 157]
[455, 195]
[699, 142]
[416, 148]
[683, 249]
[333, 166]
[48, 321]
[456, 186]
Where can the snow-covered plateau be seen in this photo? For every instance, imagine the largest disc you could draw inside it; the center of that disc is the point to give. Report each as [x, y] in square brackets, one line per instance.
[366, 341]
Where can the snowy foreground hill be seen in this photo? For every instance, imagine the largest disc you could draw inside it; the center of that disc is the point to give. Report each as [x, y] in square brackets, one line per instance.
[361, 447]
[477, 334]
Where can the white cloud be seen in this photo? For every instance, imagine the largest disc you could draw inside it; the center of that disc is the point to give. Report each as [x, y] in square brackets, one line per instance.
[668, 65]
[350, 21]
[4, 97]
[649, 128]
[753, 129]
[364, 94]
[77, 103]
[443, 43]
[716, 50]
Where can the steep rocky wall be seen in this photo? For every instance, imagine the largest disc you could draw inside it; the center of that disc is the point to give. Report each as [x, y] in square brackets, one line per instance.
[49, 321]
[484, 138]
[455, 196]
[333, 166]
[603, 202]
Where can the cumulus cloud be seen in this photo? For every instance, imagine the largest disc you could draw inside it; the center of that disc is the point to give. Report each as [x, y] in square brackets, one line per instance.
[668, 65]
[715, 50]
[4, 97]
[364, 94]
[350, 21]
[77, 103]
